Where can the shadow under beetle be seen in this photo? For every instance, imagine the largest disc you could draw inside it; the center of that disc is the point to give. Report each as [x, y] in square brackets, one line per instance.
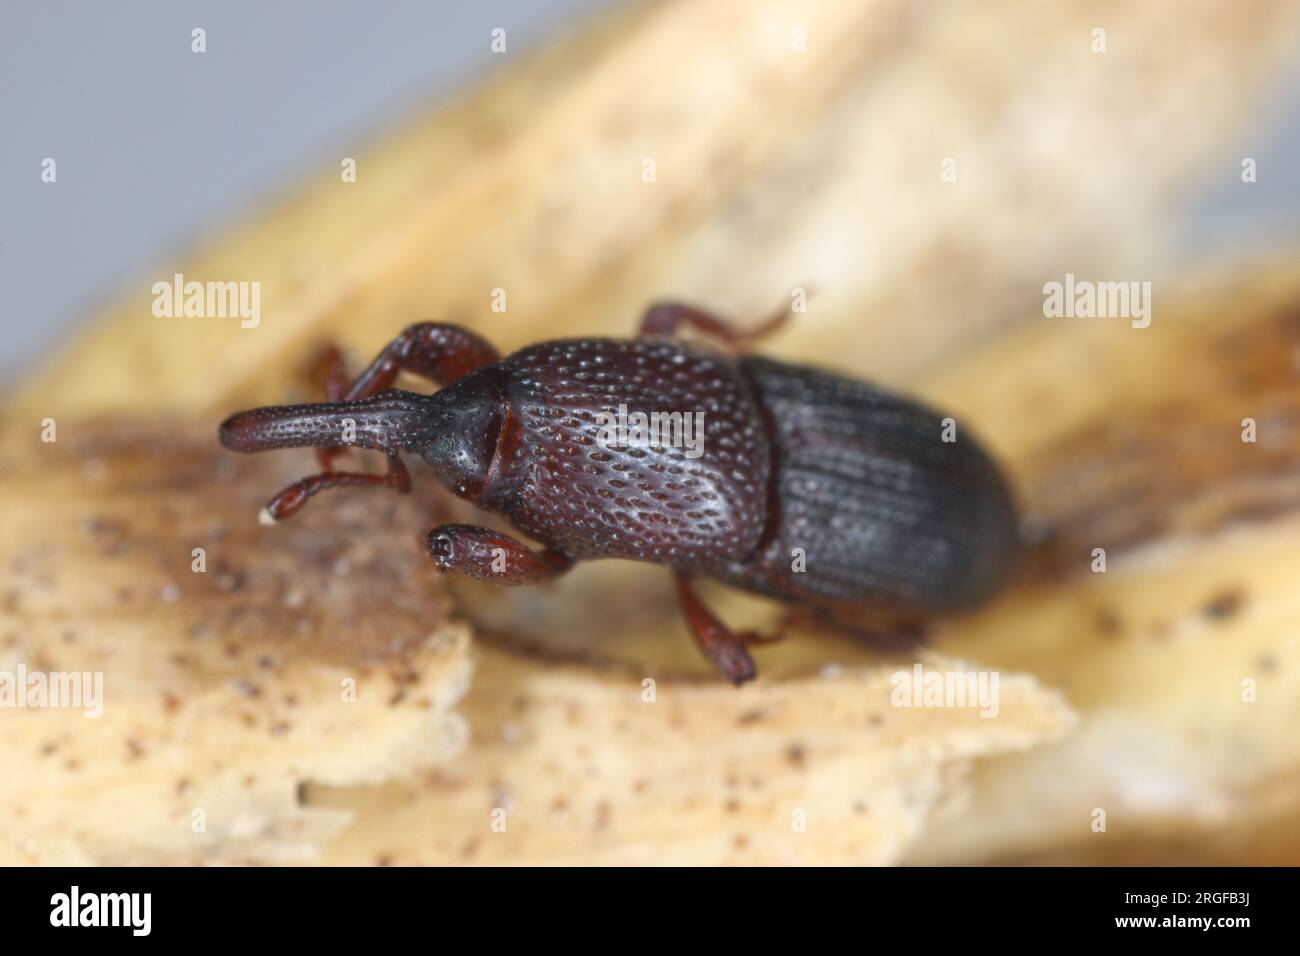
[809, 487]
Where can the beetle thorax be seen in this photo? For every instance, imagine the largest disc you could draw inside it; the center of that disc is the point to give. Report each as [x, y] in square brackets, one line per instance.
[649, 450]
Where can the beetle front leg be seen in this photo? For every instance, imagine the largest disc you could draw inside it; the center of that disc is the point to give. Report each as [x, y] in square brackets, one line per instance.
[667, 318]
[442, 353]
[492, 556]
[723, 648]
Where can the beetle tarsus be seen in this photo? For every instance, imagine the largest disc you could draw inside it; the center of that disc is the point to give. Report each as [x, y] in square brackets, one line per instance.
[724, 649]
[291, 499]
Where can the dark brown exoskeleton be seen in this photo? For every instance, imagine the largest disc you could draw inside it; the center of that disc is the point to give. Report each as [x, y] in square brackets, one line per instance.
[805, 486]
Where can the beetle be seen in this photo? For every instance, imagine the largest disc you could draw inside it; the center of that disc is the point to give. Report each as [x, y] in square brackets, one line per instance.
[816, 489]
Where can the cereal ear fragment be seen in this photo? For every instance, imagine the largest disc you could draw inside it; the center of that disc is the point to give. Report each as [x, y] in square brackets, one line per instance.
[304, 698]
[581, 769]
[289, 658]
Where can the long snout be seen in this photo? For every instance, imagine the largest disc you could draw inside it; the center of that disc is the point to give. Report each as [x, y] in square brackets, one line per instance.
[388, 422]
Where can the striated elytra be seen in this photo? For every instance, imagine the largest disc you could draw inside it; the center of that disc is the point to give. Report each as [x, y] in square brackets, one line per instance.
[798, 484]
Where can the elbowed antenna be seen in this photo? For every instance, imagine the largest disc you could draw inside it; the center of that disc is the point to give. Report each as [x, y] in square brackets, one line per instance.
[392, 421]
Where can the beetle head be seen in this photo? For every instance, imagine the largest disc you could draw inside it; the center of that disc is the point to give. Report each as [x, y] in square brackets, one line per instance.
[461, 430]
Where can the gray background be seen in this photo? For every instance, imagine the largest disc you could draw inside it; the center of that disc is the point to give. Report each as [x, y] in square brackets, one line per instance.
[153, 143]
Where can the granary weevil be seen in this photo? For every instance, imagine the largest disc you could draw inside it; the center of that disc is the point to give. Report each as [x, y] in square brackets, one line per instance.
[805, 486]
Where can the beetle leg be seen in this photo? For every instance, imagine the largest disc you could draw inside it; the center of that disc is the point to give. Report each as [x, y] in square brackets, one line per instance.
[329, 372]
[723, 648]
[492, 556]
[442, 353]
[753, 637]
[437, 351]
[667, 318]
[295, 496]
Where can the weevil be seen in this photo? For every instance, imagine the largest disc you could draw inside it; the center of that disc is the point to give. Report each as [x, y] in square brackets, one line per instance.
[816, 489]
